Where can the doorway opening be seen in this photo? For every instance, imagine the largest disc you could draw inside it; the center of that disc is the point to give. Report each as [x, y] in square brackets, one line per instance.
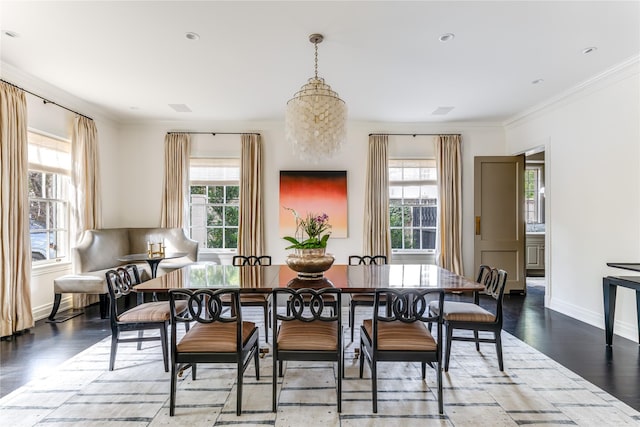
[535, 227]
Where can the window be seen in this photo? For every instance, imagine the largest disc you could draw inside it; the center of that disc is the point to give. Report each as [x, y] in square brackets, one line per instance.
[214, 203]
[49, 170]
[413, 205]
[534, 193]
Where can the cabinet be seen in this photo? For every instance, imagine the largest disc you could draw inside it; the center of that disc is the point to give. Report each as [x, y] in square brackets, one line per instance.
[534, 248]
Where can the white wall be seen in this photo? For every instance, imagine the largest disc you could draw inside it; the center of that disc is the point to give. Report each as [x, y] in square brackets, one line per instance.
[141, 149]
[592, 151]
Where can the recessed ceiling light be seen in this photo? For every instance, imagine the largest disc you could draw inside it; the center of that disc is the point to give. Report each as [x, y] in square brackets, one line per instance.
[10, 33]
[590, 49]
[446, 37]
[441, 111]
[537, 81]
[180, 108]
[192, 36]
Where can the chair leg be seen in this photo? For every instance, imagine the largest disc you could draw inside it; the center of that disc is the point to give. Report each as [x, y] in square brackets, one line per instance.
[140, 335]
[256, 361]
[361, 358]
[172, 395]
[266, 323]
[499, 349]
[194, 371]
[274, 383]
[448, 348]
[477, 338]
[374, 386]
[114, 348]
[239, 389]
[352, 316]
[280, 368]
[424, 370]
[165, 346]
[340, 375]
[439, 377]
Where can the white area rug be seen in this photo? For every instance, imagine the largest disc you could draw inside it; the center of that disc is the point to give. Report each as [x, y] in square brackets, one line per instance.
[533, 390]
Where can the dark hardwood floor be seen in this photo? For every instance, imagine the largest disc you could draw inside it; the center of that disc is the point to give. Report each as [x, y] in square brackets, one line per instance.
[576, 345]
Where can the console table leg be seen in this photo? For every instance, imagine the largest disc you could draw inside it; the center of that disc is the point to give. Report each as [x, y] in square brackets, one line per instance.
[609, 291]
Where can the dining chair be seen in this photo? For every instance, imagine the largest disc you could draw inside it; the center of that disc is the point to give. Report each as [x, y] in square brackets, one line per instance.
[471, 316]
[308, 332]
[256, 299]
[142, 317]
[362, 300]
[218, 336]
[402, 336]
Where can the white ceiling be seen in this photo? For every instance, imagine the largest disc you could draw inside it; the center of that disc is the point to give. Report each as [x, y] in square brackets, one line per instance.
[383, 58]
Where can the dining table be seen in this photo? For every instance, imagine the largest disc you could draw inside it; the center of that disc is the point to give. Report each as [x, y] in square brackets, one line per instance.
[349, 278]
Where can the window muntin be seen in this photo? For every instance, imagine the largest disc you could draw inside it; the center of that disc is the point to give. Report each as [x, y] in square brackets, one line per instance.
[48, 187]
[413, 205]
[214, 202]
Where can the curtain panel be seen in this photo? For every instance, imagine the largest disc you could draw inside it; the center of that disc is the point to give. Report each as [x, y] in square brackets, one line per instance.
[377, 233]
[86, 204]
[251, 217]
[175, 193]
[15, 243]
[449, 169]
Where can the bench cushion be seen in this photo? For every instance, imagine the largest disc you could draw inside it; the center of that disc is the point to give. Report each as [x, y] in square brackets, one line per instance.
[80, 283]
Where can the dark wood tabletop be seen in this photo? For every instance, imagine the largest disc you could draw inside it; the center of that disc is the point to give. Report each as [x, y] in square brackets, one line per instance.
[350, 278]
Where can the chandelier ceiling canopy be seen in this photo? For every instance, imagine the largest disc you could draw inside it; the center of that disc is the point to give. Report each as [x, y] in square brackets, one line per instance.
[316, 117]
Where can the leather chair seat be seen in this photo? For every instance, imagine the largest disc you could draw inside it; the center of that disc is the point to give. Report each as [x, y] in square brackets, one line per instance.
[299, 335]
[463, 312]
[214, 337]
[150, 312]
[401, 336]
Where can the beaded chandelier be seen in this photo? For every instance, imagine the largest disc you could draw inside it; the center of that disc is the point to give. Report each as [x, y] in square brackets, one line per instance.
[316, 117]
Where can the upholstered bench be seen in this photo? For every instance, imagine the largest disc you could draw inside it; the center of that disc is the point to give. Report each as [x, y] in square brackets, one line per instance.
[78, 283]
[98, 251]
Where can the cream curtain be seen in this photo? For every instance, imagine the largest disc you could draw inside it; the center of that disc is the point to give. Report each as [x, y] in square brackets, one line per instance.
[377, 234]
[449, 169]
[251, 218]
[175, 195]
[15, 243]
[85, 180]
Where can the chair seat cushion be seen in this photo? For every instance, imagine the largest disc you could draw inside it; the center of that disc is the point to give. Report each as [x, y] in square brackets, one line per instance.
[80, 283]
[150, 312]
[255, 298]
[367, 298]
[216, 337]
[401, 336]
[463, 312]
[316, 335]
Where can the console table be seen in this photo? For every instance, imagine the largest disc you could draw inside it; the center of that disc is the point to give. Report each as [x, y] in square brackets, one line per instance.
[610, 288]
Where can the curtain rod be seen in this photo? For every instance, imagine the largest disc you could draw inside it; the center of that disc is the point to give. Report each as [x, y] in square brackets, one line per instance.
[45, 100]
[216, 133]
[412, 134]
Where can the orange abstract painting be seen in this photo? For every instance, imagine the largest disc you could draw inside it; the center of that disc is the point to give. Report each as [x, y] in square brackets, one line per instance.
[314, 192]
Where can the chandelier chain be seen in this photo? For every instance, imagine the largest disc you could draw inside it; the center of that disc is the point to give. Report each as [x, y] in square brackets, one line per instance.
[316, 68]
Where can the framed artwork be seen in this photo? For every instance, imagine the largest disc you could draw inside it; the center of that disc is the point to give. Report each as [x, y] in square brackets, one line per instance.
[315, 192]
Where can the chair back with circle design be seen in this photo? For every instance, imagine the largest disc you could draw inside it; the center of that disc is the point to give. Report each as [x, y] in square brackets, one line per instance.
[367, 259]
[240, 260]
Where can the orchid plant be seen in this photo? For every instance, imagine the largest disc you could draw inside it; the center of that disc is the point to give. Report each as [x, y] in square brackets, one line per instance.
[309, 231]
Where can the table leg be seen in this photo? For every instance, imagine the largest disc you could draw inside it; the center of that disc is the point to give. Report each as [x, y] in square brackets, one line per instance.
[609, 290]
[638, 312]
[153, 264]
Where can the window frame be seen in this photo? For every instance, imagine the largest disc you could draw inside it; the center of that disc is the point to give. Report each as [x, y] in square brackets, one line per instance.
[403, 163]
[225, 182]
[58, 231]
[538, 199]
